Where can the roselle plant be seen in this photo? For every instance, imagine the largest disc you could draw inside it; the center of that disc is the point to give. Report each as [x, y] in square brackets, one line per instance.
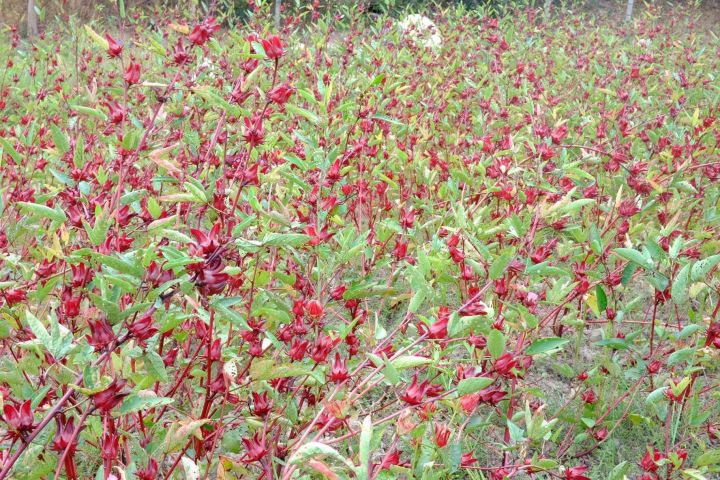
[333, 251]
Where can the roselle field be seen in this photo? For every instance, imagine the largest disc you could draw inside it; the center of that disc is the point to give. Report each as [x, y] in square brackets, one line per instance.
[471, 244]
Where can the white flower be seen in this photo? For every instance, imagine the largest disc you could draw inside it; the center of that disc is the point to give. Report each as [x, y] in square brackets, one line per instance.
[421, 30]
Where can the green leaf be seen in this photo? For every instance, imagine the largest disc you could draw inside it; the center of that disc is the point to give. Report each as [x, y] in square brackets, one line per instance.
[121, 265]
[38, 330]
[137, 402]
[711, 457]
[545, 345]
[680, 356]
[472, 385]
[702, 268]
[366, 434]
[409, 361]
[496, 343]
[59, 139]
[636, 257]
[601, 298]
[99, 41]
[155, 366]
[679, 289]
[316, 449]
[620, 471]
[268, 370]
[497, 269]
[93, 112]
[43, 211]
[285, 239]
[416, 300]
[307, 114]
[8, 148]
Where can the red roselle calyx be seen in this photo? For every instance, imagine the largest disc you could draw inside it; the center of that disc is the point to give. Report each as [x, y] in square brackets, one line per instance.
[109, 398]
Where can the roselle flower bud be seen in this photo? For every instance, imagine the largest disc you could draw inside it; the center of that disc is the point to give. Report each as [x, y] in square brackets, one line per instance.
[427, 411]
[492, 395]
[63, 435]
[117, 112]
[13, 296]
[442, 434]
[205, 244]
[400, 249]
[202, 32]
[255, 449]
[477, 341]
[253, 132]
[475, 308]
[576, 473]
[114, 48]
[256, 348]
[470, 402]
[415, 392]
[439, 328]
[110, 397]
[467, 460]
[601, 434]
[501, 473]
[170, 357]
[71, 307]
[650, 459]
[654, 367]
[220, 384]
[149, 473]
[110, 446]
[321, 348]
[505, 364]
[132, 73]
[273, 47]
[298, 349]
[392, 457]
[45, 269]
[712, 338]
[262, 405]
[81, 275]
[314, 309]
[338, 292]
[589, 396]
[143, 328]
[156, 276]
[281, 94]
[19, 418]
[101, 334]
[211, 281]
[215, 350]
[339, 372]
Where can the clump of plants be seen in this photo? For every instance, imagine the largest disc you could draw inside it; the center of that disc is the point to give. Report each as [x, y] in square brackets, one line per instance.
[335, 252]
